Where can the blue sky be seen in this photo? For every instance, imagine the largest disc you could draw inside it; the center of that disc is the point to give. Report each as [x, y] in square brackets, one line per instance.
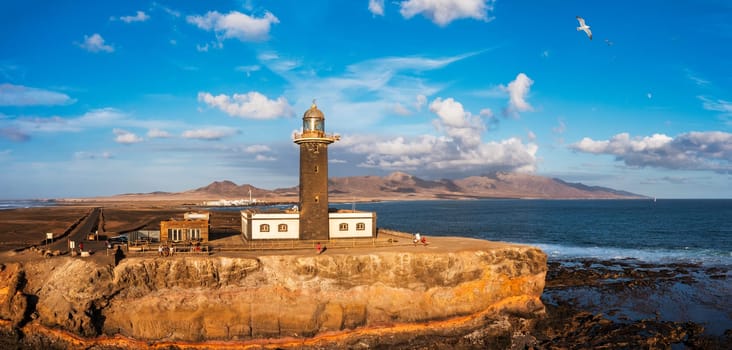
[102, 98]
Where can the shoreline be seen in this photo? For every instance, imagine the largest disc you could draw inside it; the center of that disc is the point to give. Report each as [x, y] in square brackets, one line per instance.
[624, 298]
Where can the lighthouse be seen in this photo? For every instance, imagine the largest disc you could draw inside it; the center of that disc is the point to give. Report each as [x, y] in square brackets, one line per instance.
[313, 141]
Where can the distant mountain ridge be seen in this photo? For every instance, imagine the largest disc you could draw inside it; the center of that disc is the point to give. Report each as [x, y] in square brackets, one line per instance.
[403, 186]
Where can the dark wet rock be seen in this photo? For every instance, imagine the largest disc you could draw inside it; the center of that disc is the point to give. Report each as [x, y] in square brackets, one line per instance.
[625, 304]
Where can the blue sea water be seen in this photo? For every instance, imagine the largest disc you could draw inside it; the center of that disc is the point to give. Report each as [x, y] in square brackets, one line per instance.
[662, 231]
[25, 203]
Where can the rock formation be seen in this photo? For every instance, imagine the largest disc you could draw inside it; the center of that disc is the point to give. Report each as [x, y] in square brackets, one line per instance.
[285, 299]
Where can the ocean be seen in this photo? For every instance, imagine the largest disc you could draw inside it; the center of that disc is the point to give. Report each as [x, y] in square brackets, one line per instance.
[662, 231]
[25, 203]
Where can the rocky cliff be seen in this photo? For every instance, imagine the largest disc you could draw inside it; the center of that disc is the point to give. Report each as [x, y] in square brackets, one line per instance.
[278, 299]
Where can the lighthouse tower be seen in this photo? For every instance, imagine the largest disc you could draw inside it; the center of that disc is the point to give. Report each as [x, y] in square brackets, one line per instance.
[314, 175]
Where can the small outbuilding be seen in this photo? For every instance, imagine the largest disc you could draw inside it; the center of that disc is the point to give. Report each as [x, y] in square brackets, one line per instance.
[194, 227]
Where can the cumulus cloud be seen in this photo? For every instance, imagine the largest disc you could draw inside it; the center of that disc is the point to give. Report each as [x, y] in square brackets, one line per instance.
[458, 148]
[209, 134]
[140, 16]
[235, 25]
[442, 12]
[517, 90]
[252, 105]
[376, 7]
[126, 137]
[158, 134]
[18, 95]
[710, 151]
[457, 123]
[95, 43]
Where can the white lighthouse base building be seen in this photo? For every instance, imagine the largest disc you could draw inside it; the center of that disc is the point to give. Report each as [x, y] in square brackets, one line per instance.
[285, 224]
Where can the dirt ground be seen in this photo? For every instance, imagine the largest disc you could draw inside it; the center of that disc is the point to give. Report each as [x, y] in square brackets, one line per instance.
[21, 229]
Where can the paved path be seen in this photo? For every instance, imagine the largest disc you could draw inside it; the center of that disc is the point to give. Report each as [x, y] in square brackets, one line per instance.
[80, 234]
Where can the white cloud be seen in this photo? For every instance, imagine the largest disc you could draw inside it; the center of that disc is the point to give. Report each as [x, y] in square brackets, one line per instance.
[517, 90]
[209, 134]
[140, 16]
[211, 45]
[95, 43]
[257, 149]
[457, 123]
[18, 95]
[15, 134]
[486, 113]
[81, 155]
[696, 79]
[442, 12]
[158, 134]
[101, 118]
[421, 101]
[376, 7]
[369, 89]
[711, 150]
[400, 109]
[126, 137]
[458, 147]
[560, 128]
[716, 105]
[252, 105]
[248, 69]
[156, 6]
[276, 63]
[235, 25]
[261, 157]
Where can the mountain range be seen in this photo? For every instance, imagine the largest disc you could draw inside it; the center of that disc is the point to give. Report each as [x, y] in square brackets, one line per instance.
[403, 186]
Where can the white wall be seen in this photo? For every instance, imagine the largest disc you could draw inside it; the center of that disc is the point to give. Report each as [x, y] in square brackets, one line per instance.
[273, 220]
[292, 220]
[352, 219]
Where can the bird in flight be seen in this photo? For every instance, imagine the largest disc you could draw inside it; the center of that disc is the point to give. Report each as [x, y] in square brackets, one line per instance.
[584, 27]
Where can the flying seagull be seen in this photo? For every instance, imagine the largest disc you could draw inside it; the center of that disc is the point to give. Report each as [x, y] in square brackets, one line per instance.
[584, 27]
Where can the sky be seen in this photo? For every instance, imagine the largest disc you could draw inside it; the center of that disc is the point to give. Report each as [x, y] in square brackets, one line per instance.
[108, 97]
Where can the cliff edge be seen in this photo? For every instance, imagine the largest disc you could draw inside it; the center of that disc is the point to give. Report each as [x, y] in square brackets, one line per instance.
[285, 300]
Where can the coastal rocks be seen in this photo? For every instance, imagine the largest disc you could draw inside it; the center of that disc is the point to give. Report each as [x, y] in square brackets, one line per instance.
[294, 296]
[631, 304]
[13, 303]
[71, 294]
[297, 296]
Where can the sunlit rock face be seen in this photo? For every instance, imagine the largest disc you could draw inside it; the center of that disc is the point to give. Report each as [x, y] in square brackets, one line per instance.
[199, 299]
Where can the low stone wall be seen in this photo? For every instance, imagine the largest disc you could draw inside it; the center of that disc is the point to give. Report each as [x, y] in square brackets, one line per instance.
[245, 299]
